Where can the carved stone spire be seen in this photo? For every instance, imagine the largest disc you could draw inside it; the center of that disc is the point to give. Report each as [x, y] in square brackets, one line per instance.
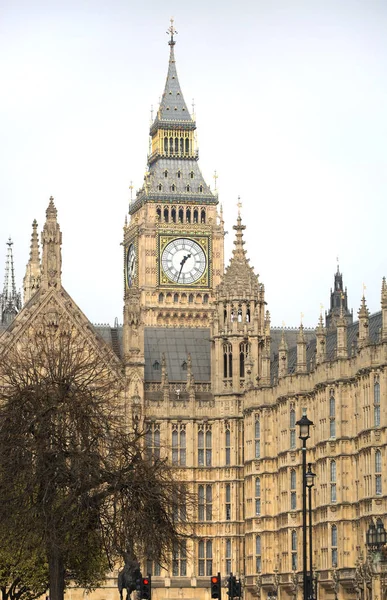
[283, 356]
[342, 348]
[10, 301]
[301, 351]
[321, 337]
[51, 252]
[363, 323]
[31, 282]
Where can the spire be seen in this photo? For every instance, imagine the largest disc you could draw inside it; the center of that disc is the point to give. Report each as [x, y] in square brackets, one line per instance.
[301, 351]
[51, 249]
[283, 356]
[338, 302]
[31, 281]
[172, 106]
[10, 301]
[363, 323]
[321, 336]
[239, 280]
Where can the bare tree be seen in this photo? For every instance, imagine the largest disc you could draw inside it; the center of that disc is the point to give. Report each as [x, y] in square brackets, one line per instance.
[71, 469]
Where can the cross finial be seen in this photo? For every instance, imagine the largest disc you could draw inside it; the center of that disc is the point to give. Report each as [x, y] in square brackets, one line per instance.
[215, 176]
[131, 190]
[239, 205]
[171, 31]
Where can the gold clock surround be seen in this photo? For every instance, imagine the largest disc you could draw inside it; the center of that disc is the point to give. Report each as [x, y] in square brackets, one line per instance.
[203, 241]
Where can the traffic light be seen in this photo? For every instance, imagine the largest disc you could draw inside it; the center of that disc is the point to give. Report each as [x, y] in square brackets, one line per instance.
[146, 591]
[234, 588]
[216, 586]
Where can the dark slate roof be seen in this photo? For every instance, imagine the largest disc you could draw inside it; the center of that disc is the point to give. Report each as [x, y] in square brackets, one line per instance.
[112, 336]
[176, 344]
[375, 324]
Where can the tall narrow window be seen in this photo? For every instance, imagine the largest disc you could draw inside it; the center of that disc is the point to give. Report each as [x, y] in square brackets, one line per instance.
[243, 355]
[178, 445]
[186, 145]
[181, 215]
[153, 568]
[205, 558]
[227, 361]
[204, 448]
[171, 145]
[378, 473]
[195, 215]
[228, 502]
[332, 416]
[173, 214]
[179, 559]
[257, 435]
[293, 490]
[292, 428]
[152, 440]
[228, 447]
[377, 404]
[228, 556]
[333, 481]
[294, 550]
[203, 212]
[258, 556]
[257, 496]
[334, 545]
[205, 502]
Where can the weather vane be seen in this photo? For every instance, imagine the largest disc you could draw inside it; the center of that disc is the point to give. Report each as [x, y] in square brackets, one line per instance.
[215, 176]
[172, 31]
[239, 205]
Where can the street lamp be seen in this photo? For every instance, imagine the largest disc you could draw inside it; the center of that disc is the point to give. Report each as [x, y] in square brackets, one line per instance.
[304, 424]
[309, 476]
[376, 541]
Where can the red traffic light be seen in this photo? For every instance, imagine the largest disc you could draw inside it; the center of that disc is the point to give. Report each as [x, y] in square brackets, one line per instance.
[214, 580]
[145, 581]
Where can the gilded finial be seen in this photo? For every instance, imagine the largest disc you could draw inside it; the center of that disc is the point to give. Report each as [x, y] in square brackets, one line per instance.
[215, 176]
[337, 260]
[364, 289]
[283, 325]
[321, 308]
[239, 205]
[131, 190]
[302, 316]
[151, 111]
[171, 31]
[193, 106]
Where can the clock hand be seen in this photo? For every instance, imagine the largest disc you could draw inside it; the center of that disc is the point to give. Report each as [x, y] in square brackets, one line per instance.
[185, 258]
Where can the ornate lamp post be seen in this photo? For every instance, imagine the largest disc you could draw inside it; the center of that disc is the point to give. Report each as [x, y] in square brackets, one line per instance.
[309, 484]
[304, 424]
[376, 542]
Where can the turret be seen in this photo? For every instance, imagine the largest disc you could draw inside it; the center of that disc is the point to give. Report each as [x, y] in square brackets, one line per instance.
[31, 281]
[10, 300]
[339, 300]
[239, 329]
[51, 249]
[363, 324]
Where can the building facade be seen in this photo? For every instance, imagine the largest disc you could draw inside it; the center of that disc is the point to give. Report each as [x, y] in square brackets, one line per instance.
[220, 390]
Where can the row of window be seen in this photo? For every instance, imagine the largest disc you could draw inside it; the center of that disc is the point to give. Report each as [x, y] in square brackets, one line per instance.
[244, 349]
[205, 559]
[183, 298]
[181, 215]
[173, 187]
[177, 145]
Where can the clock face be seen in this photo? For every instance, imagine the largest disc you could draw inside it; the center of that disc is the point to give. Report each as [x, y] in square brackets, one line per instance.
[131, 265]
[183, 261]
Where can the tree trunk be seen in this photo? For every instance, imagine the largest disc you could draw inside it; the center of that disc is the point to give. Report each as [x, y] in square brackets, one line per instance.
[56, 574]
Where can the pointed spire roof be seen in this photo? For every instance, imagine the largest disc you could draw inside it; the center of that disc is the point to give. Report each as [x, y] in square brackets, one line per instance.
[363, 310]
[51, 248]
[10, 301]
[172, 106]
[239, 280]
[31, 282]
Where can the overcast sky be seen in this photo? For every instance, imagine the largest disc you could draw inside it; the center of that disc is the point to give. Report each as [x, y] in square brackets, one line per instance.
[290, 100]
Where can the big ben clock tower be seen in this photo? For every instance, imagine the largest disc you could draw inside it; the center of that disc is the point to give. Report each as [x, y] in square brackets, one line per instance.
[173, 242]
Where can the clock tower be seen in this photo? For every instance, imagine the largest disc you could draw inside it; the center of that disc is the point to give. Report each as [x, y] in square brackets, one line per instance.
[173, 243]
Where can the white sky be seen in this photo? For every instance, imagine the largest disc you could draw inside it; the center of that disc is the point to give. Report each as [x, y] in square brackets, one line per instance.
[290, 100]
